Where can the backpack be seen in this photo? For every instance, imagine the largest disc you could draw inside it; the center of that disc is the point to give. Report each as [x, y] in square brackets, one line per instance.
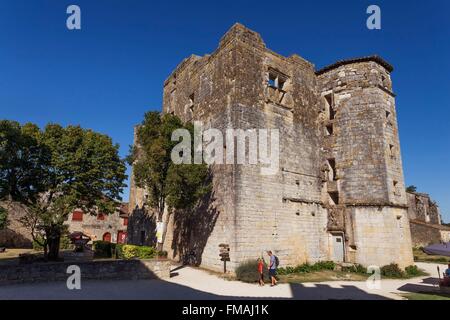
[277, 261]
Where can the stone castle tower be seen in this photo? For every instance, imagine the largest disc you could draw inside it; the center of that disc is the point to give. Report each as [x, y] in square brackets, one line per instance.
[339, 192]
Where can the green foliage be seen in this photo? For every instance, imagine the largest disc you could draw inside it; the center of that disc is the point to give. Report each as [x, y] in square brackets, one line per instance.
[64, 243]
[128, 251]
[179, 186]
[162, 254]
[324, 265]
[103, 249]
[358, 268]
[414, 271]
[55, 170]
[308, 268]
[248, 271]
[3, 218]
[392, 271]
[411, 189]
[37, 243]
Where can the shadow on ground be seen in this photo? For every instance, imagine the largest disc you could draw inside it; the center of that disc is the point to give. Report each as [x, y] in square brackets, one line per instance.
[164, 290]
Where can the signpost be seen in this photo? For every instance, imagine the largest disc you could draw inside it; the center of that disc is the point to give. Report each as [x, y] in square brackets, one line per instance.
[224, 255]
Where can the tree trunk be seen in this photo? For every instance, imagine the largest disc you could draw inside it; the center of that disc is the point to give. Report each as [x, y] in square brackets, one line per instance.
[163, 216]
[53, 240]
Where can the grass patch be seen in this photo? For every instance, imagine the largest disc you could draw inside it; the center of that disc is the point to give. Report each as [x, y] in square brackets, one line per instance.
[14, 253]
[426, 296]
[322, 276]
[11, 256]
[421, 256]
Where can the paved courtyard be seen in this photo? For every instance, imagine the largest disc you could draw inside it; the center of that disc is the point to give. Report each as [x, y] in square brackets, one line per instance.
[191, 283]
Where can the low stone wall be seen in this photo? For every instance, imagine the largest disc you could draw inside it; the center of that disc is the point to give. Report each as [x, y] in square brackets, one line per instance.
[92, 270]
[424, 234]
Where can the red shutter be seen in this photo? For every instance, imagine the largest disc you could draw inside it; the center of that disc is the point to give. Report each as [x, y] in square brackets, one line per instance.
[125, 221]
[100, 216]
[77, 216]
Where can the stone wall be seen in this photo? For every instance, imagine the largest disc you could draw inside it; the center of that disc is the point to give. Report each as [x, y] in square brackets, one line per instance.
[424, 234]
[95, 270]
[15, 235]
[382, 236]
[421, 207]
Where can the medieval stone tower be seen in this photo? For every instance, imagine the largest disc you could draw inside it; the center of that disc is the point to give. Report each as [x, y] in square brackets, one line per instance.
[339, 192]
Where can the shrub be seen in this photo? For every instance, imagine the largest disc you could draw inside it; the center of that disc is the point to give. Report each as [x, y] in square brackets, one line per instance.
[355, 269]
[118, 251]
[128, 251]
[248, 271]
[414, 271]
[162, 254]
[392, 271]
[325, 265]
[147, 252]
[307, 268]
[66, 244]
[102, 249]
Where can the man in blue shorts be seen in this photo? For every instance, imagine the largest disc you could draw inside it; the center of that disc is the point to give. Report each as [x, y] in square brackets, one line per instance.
[272, 268]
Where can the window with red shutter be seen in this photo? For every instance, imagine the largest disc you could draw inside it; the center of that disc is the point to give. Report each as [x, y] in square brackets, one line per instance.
[100, 216]
[125, 221]
[77, 216]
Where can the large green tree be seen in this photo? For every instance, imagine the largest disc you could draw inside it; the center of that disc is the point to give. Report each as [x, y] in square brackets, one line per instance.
[169, 186]
[55, 170]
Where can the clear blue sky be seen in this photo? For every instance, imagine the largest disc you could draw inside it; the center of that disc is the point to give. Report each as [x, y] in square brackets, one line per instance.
[108, 74]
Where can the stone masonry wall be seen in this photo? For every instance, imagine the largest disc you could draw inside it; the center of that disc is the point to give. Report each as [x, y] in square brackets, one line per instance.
[365, 148]
[94, 270]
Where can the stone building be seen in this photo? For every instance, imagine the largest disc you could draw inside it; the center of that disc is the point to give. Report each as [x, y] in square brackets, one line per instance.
[425, 220]
[339, 192]
[111, 228]
[15, 235]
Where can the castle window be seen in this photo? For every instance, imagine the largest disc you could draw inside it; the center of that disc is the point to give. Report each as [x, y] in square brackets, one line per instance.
[329, 130]
[272, 81]
[391, 150]
[395, 185]
[332, 166]
[333, 198]
[101, 216]
[329, 106]
[388, 115]
[276, 80]
[191, 102]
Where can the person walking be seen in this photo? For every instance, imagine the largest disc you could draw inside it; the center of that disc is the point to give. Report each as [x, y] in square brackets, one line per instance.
[273, 268]
[261, 272]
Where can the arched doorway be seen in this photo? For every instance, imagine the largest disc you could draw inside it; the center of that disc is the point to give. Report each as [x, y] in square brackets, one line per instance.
[107, 237]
